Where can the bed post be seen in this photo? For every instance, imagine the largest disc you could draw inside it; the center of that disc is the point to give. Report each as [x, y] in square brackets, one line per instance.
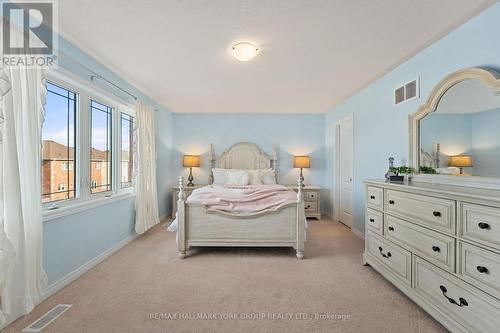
[301, 220]
[211, 158]
[274, 158]
[181, 220]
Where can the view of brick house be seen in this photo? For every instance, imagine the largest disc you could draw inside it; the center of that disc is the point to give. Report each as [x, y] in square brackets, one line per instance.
[58, 171]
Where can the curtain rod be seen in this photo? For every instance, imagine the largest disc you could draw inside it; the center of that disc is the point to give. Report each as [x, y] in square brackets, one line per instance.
[94, 74]
[97, 75]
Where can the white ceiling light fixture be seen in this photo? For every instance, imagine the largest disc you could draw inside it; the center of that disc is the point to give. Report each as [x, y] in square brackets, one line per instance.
[244, 51]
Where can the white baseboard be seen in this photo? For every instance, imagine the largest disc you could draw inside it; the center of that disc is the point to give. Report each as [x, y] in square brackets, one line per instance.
[66, 280]
[358, 233]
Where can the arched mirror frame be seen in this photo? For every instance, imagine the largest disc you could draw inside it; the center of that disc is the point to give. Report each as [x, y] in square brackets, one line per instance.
[490, 78]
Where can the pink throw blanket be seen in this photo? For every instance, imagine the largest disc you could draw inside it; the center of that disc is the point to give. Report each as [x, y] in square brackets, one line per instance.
[250, 198]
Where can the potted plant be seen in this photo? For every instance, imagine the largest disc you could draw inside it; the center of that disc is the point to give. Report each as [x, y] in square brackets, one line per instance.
[401, 173]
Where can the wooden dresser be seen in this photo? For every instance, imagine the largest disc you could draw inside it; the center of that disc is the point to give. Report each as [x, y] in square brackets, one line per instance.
[440, 245]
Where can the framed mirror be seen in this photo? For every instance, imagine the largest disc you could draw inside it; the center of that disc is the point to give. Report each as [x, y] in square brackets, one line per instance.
[455, 135]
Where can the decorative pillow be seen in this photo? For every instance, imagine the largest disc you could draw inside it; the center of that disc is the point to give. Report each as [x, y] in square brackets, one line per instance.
[237, 177]
[254, 177]
[268, 176]
[220, 176]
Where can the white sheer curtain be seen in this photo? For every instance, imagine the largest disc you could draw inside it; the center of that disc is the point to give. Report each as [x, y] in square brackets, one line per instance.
[23, 92]
[146, 201]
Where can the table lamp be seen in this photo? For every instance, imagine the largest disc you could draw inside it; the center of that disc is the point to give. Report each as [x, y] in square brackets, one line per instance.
[191, 161]
[460, 161]
[301, 162]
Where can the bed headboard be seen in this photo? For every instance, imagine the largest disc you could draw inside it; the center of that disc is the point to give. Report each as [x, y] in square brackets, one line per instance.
[243, 155]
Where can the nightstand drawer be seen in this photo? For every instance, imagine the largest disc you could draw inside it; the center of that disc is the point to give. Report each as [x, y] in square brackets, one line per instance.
[311, 196]
[311, 206]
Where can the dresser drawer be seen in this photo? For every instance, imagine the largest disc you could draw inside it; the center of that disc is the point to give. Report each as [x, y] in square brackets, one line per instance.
[311, 196]
[375, 197]
[431, 245]
[480, 267]
[391, 256]
[311, 206]
[475, 310]
[481, 224]
[374, 221]
[433, 212]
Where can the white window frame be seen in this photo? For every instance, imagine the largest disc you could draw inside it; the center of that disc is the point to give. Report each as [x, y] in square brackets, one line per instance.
[131, 113]
[84, 200]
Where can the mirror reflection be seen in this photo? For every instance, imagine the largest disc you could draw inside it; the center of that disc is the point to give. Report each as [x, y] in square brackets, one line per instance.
[462, 137]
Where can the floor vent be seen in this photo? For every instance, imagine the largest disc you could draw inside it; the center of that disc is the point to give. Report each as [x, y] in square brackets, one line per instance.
[47, 318]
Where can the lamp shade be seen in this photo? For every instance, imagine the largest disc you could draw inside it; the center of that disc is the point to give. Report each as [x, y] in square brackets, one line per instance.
[460, 161]
[191, 161]
[301, 162]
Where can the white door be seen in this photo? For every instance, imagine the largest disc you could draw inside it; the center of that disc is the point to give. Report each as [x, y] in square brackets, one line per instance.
[345, 176]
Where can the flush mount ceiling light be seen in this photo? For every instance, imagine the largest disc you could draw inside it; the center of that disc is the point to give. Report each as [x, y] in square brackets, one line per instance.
[244, 51]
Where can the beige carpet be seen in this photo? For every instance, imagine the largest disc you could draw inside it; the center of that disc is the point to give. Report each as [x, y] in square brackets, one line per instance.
[145, 279]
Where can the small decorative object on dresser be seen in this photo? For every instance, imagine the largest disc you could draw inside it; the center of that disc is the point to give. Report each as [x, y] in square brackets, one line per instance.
[191, 161]
[302, 162]
[312, 200]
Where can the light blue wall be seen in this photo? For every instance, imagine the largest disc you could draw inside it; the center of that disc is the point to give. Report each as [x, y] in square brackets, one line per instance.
[453, 132]
[380, 128]
[486, 142]
[72, 241]
[295, 134]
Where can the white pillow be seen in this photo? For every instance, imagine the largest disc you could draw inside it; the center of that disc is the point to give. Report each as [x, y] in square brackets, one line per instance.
[268, 176]
[220, 176]
[254, 177]
[237, 177]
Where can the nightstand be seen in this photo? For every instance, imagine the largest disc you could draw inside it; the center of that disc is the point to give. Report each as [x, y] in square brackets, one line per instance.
[175, 195]
[312, 200]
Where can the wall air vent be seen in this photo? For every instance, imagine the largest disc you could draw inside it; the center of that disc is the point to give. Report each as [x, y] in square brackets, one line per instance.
[406, 92]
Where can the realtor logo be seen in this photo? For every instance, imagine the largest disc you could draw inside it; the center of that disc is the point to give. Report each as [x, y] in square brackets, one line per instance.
[28, 33]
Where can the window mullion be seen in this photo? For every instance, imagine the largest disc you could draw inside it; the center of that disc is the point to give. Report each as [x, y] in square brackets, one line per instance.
[84, 151]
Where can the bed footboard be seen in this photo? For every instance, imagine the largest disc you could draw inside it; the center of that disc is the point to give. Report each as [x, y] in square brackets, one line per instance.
[283, 226]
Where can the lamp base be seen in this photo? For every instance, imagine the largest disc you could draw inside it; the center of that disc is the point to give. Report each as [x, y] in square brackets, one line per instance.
[301, 178]
[190, 178]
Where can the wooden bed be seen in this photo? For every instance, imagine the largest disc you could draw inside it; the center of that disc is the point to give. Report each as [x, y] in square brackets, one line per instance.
[284, 225]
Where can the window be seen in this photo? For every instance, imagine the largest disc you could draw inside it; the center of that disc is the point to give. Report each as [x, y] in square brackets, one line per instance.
[58, 144]
[83, 156]
[66, 166]
[127, 149]
[101, 146]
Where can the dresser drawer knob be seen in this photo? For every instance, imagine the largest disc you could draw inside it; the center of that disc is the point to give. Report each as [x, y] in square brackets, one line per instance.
[436, 249]
[437, 214]
[483, 225]
[461, 301]
[308, 206]
[372, 197]
[372, 220]
[482, 269]
[391, 228]
[388, 255]
[391, 202]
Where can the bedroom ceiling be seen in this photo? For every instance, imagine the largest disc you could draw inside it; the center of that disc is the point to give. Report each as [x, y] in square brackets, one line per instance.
[313, 54]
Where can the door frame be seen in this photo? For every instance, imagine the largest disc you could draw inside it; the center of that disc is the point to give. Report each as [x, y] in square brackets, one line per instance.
[336, 167]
